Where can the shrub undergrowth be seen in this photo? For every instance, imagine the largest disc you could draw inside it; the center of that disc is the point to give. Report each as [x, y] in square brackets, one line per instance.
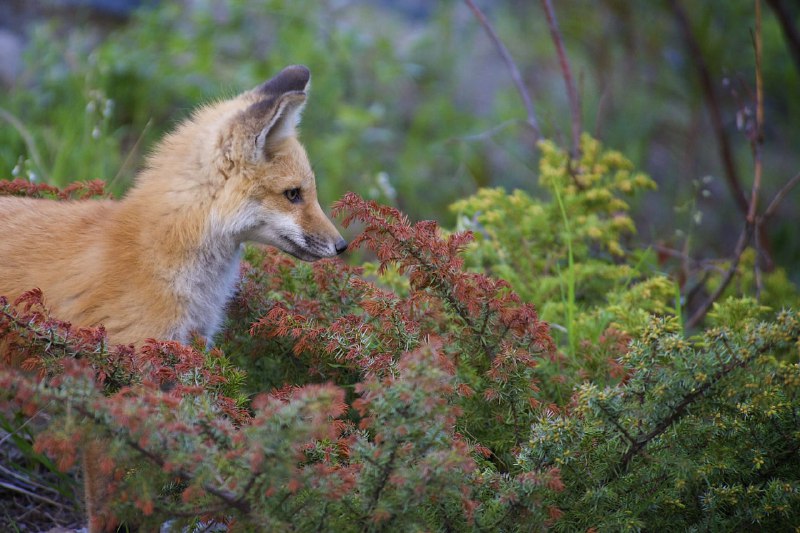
[422, 392]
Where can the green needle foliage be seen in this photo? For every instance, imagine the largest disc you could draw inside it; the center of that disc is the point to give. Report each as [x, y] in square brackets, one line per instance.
[701, 435]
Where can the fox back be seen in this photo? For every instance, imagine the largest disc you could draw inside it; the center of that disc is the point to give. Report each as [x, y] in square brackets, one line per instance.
[163, 261]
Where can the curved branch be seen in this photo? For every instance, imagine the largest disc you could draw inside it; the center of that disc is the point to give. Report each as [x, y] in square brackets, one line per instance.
[572, 92]
[712, 103]
[512, 66]
[779, 196]
[790, 33]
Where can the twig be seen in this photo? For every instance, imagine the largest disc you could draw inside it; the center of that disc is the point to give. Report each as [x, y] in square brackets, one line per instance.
[741, 246]
[790, 33]
[512, 67]
[572, 92]
[641, 441]
[26, 480]
[232, 500]
[756, 137]
[754, 225]
[707, 86]
[756, 263]
[756, 140]
[383, 478]
[30, 418]
[29, 494]
[617, 424]
[128, 157]
[683, 255]
[487, 134]
[779, 196]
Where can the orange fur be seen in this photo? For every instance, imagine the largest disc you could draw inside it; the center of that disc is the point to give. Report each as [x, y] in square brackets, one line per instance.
[163, 261]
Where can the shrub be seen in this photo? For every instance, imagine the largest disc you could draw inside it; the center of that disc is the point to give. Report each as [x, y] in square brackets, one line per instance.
[440, 382]
[701, 435]
[418, 394]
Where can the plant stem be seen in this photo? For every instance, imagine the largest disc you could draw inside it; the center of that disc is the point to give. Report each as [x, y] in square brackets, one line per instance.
[570, 275]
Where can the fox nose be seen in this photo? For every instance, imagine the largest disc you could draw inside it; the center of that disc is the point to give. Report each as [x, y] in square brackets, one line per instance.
[341, 246]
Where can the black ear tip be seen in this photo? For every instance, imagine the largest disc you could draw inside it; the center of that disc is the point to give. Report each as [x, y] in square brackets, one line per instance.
[301, 72]
[291, 78]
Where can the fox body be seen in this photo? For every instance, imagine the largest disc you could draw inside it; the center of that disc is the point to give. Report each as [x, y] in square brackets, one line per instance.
[163, 261]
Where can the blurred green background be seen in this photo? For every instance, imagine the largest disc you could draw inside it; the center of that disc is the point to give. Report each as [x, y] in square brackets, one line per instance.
[410, 102]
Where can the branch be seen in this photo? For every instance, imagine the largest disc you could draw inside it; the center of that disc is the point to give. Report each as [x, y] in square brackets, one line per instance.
[790, 33]
[572, 93]
[707, 86]
[33, 495]
[229, 498]
[779, 196]
[383, 478]
[680, 410]
[757, 136]
[512, 66]
[741, 246]
[617, 424]
[756, 140]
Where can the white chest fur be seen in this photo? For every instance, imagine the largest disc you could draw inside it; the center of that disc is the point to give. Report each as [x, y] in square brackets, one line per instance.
[205, 285]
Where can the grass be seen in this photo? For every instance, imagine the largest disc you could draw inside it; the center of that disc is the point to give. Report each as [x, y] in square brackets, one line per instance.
[570, 303]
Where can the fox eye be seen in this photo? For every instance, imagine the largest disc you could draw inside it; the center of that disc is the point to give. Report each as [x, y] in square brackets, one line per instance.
[293, 195]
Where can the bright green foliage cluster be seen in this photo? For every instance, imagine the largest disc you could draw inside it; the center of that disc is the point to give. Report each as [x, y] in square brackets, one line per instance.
[592, 189]
[701, 435]
[569, 253]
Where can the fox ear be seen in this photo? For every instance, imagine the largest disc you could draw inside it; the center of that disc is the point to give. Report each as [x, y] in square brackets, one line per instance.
[275, 118]
[294, 78]
[279, 102]
[277, 112]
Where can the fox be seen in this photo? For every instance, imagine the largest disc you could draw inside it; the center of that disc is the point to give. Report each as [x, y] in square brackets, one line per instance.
[163, 261]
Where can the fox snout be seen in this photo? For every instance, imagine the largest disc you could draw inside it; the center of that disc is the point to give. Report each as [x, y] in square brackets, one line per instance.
[311, 246]
[315, 247]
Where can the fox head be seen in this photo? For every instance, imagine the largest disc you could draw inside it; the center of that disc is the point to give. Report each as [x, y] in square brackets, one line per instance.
[268, 181]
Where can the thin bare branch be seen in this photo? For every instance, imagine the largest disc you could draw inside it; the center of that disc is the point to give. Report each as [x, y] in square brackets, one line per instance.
[790, 33]
[779, 196]
[756, 137]
[757, 262]
[33, 495]
[128, 157]
[741, 246]
[756, 140]
[572, 92]
[487, 134]
[512, 66]
[712, 102]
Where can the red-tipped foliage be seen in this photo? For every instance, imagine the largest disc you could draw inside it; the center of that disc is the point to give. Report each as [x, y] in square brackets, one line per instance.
[78, 190]
[441, 376]
[487, 333]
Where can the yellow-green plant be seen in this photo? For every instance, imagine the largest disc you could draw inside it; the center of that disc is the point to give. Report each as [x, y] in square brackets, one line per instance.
[570, 253]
